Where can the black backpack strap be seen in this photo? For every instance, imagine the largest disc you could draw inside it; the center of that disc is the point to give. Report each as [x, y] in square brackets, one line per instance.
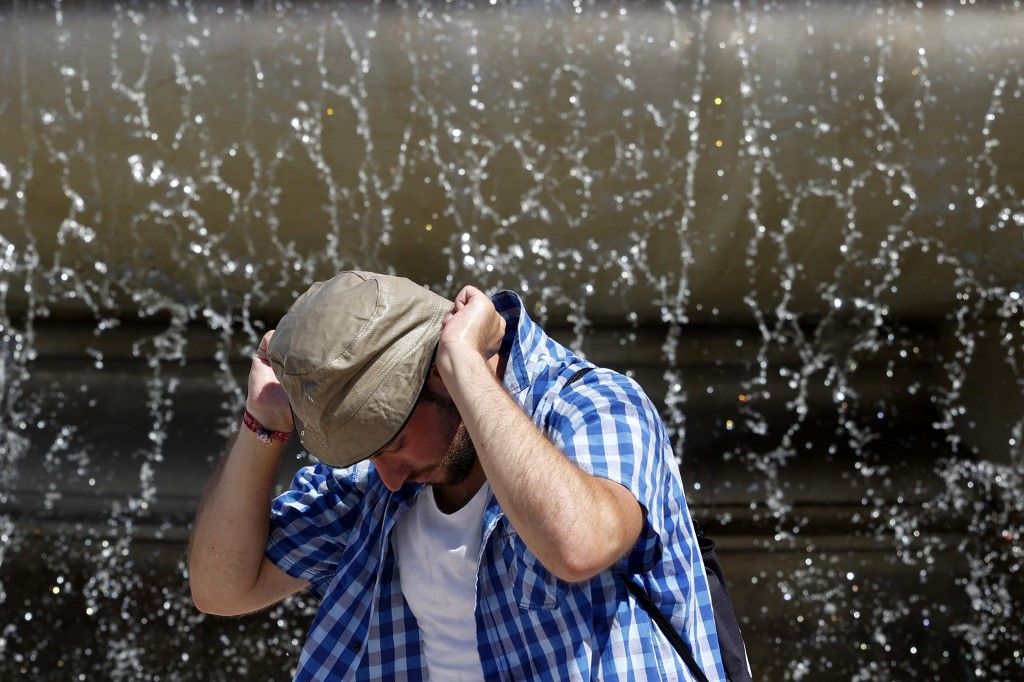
[642, 598]
[578, 374]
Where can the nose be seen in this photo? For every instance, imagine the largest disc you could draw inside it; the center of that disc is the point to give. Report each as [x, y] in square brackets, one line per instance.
[392, 473]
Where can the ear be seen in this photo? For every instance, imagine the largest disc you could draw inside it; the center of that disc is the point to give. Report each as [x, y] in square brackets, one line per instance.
[435, 384]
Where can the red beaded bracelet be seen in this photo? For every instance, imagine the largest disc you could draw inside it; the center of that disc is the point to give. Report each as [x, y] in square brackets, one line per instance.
[262, 432]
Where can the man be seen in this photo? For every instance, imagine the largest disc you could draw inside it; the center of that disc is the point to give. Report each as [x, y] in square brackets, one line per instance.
[472, 517]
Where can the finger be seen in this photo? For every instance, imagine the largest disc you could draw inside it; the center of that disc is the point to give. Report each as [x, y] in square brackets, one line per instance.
[262, 353]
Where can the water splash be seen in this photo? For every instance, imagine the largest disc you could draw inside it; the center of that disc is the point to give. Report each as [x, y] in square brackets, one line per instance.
[799, 226]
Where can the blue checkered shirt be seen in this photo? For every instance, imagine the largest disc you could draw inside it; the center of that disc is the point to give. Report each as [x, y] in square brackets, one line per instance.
[333, 528]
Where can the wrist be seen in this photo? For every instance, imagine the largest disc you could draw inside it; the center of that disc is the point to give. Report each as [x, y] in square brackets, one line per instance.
[458, 357]
[272, 418]
[263, 433]
[468, 377]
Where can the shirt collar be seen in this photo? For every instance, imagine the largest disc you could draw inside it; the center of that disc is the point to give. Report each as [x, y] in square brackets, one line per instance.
[522, 338]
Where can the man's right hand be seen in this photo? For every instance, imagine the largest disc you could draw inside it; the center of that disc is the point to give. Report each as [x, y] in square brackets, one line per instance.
[267, 400]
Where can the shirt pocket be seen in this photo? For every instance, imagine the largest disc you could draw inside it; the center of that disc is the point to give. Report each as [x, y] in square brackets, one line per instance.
[533, 586]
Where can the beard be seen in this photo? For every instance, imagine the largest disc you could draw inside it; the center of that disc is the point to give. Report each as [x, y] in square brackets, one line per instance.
[460, 459]
[458, 463]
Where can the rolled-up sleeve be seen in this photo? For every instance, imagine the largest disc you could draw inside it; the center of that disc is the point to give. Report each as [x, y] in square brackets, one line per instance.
[610, 429]
[311, 522]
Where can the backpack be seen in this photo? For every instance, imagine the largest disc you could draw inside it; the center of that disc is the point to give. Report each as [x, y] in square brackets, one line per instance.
[730, 639]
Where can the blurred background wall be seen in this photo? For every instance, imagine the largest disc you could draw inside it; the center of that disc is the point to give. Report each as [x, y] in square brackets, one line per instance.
[799, 225]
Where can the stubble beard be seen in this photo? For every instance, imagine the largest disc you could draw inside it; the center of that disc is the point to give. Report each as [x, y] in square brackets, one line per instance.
[458, 462]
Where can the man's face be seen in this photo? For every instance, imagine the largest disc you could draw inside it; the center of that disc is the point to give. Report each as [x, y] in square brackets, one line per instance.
[433, 447]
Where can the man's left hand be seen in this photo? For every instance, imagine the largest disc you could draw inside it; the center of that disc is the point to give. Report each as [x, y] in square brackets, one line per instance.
[472, 324]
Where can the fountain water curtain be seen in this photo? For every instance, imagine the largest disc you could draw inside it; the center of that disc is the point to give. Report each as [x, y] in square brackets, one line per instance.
[799, 225]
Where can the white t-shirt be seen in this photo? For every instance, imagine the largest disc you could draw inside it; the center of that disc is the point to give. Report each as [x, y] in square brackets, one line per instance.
[437, 557]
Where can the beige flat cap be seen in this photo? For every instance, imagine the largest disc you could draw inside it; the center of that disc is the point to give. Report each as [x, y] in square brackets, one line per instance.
[353, 353]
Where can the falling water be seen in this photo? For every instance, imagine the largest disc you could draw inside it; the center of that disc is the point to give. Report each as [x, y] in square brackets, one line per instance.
[799, 225]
